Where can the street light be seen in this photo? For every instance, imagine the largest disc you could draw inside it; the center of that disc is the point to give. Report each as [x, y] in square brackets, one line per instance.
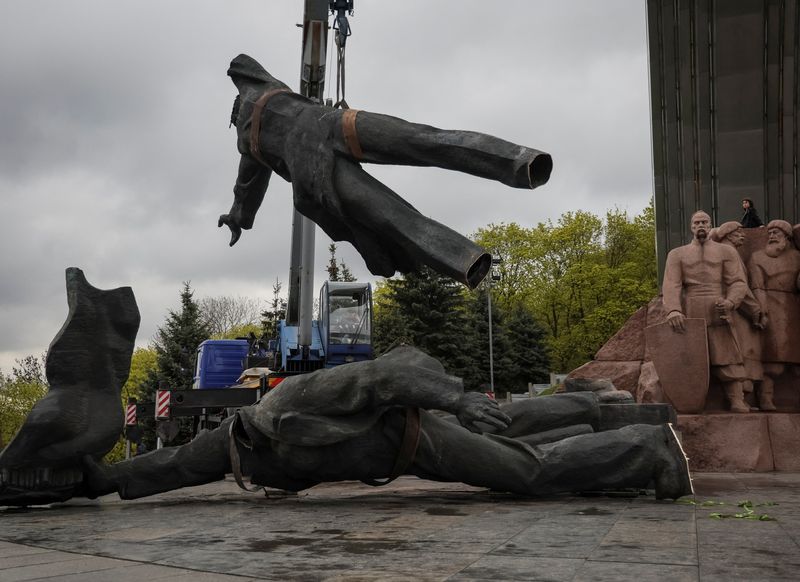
[492, 277]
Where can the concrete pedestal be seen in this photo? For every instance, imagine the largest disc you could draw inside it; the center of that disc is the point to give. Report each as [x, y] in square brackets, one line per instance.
[755, 442]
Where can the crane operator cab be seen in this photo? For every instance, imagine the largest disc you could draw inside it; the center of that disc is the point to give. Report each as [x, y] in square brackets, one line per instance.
[346, 322]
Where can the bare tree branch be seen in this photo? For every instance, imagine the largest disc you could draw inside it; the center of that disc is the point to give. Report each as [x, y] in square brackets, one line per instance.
[223, 313]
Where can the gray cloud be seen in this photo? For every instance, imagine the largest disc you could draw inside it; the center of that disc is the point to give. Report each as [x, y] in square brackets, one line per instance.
[115, 154]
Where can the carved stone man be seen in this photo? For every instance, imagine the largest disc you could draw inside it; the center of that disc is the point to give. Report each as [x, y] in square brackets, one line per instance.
[706, 280]
[748, 318]
[320, 151]
[774, 275]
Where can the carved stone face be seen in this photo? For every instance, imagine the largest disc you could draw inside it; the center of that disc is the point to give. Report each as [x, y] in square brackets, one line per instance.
[736, 238]
[701, 224]
[776, 242]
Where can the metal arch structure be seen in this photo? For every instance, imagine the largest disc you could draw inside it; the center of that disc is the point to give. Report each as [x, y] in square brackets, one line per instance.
[724, 105]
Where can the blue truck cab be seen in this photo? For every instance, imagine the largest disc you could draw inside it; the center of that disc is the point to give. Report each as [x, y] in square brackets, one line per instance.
[219, 363]
[343, 334]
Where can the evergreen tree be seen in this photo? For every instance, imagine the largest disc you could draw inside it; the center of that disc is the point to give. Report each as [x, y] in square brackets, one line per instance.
[528, 349]
[177, 340]
[275, 311]
[337, 271]
[333, 266]
[345, 275]
[430, 312]
[175, 344]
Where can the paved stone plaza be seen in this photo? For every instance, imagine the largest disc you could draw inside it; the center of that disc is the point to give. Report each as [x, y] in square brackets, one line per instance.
[411, 530]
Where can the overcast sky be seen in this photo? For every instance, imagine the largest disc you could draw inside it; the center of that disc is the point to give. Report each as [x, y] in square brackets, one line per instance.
[116, 157]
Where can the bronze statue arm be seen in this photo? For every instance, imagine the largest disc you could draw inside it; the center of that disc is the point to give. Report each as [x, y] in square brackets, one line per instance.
[403, 377]
[248, 194]
[425, 385]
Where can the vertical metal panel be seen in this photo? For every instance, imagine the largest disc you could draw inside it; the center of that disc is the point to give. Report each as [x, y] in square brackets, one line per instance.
[740, 104]
[794, 123]
[772, 40]
[674, 168]
[686, 93]
[703, 103]
[657, 107]
[788, 111]
[712, 75]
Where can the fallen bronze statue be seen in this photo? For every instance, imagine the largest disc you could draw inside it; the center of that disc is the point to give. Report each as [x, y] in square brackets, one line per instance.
[320, 151]
[367, 421]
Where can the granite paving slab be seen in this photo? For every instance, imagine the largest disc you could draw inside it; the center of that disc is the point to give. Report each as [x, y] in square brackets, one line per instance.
[410, 530]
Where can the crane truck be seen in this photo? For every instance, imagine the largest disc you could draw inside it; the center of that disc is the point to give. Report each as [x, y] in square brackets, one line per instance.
[341, 334]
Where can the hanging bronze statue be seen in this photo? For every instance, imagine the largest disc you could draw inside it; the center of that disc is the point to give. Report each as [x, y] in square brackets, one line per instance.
[320, 151]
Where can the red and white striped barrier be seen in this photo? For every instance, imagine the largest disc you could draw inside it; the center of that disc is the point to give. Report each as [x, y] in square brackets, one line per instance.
[162, 404]
[130, 415]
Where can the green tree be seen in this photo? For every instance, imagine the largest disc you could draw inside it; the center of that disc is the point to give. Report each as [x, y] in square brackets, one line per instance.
[175, 344]
[143, 376]
[29, 370]
[580, 278]
[275, 311]
[18, 393]
[337, 270]
[144, 365]
[514, 246]
[333, 265]
[529, 356]
[430, 312]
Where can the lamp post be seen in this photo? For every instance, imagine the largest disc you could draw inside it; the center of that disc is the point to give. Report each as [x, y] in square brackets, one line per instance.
[492, 277]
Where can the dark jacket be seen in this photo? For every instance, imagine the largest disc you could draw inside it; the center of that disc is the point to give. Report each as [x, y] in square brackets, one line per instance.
[750, 218]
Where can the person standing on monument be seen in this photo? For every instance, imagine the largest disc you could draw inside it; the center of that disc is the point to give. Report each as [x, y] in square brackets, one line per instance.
[750, 218]
[748, 318]
[774, 279]
[706, 280]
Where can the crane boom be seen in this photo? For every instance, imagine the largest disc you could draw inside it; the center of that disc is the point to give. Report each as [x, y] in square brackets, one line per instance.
[312, 84]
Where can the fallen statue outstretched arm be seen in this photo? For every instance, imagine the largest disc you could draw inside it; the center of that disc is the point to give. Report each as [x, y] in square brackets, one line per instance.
[403, 377]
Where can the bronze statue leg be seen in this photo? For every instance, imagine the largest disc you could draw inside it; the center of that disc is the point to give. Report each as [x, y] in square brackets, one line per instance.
[203, 460]
[390, 140]
[628, 457]
[543, 415]
[382, 215]
[536, 415]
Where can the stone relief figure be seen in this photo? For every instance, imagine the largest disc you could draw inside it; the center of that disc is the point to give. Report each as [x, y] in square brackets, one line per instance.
[320, 151]
[706, 280]
[774, 273]
[366, 421]
[747, 319]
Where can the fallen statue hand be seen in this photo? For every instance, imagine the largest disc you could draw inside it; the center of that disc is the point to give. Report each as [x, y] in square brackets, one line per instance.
[476, 407]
